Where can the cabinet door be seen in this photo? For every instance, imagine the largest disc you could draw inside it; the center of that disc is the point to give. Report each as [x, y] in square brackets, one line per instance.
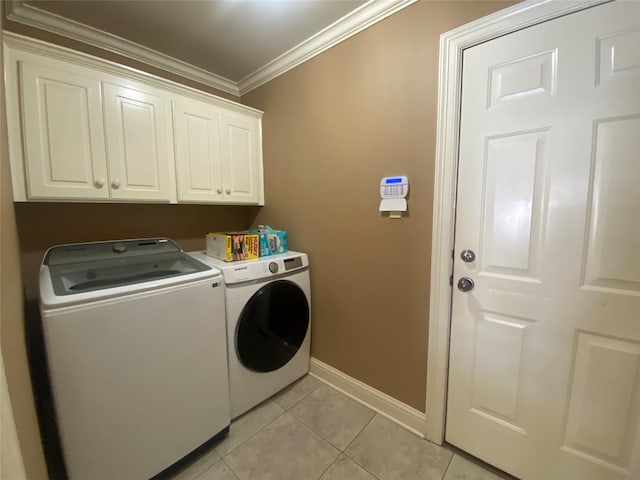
[137, 151]
[63, 134]
[242, 159]
[197, 147]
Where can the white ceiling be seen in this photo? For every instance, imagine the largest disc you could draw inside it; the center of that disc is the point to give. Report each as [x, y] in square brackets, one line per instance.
[233, 45]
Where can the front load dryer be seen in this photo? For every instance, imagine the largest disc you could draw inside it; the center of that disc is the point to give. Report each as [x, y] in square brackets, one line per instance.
[136, 350]
[268, 304]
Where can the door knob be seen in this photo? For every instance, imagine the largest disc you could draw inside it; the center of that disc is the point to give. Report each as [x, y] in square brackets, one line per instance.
[100, 182]
[465, 284]
[116, 183]
[467, 256]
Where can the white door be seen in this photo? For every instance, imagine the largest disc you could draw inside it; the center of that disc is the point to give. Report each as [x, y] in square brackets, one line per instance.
[242, 162]
[64, 136]
[137, 149]
[197, 144]
[544, 374]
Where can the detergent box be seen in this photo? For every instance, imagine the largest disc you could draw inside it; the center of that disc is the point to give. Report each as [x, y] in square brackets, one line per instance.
[233, 246]
[271, 241]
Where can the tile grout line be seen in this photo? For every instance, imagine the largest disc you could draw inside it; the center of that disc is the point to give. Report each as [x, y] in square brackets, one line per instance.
[315, 433]
[231, 468]
[321, 438]
[344, 452]
[446, 470]
[341, 449]
[361, 430]
[253, 434]
[318, 385]
[361, 466]
[330, 465]
[213, 465]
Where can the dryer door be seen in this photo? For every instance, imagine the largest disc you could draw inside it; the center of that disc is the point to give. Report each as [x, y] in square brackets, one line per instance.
[272, 326]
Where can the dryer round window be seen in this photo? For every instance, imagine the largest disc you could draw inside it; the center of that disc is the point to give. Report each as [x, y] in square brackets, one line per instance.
[272, 326]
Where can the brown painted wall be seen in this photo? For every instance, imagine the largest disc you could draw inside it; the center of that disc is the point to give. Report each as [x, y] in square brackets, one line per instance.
[12, 338]
[332, 128]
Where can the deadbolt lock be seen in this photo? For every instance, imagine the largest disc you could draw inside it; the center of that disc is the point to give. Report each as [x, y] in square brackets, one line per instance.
[467, 256]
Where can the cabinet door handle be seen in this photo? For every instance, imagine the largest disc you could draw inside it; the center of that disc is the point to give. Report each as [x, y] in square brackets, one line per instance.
[99, 182]
[228, 191]
[219, 190]
[116, 183]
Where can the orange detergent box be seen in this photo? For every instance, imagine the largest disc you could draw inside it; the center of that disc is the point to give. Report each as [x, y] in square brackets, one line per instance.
[233, 246]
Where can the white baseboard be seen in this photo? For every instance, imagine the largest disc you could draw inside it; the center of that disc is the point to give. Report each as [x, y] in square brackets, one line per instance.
[396, 411]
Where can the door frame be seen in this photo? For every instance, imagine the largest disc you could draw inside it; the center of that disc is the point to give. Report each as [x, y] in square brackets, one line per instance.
[452, 44]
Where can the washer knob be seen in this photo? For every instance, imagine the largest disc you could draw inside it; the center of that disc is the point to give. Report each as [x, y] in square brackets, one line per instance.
[273, 267]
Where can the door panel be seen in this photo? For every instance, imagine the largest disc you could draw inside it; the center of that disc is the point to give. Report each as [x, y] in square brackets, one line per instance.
[198, 162]
[64, 136]
[136, 144]
[544, 378]
[601, 404]
[532, 76]
[240, 149]
[618, 54]
[511, 199]
[496, 381]
[612, 260]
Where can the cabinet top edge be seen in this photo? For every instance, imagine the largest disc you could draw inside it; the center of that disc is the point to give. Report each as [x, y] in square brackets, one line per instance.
[17, 42]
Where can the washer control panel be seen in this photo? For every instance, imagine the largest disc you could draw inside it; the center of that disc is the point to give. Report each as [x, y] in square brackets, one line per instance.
[273, 267]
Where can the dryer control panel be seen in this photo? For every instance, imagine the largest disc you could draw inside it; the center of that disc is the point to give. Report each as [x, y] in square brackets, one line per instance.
[292, 263]
[252, 270]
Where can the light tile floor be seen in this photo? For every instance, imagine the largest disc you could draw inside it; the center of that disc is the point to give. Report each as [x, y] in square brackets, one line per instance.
[311, 431]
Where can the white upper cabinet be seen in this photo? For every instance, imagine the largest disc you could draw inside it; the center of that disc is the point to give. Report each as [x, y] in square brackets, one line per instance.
[242, 168]
[136, 144]
[218, 154]
[84, 129]
[197, 145]
[63, 134]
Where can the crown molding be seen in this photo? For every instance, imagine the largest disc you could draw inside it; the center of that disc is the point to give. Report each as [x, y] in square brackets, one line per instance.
[349, 25]
[18, 11]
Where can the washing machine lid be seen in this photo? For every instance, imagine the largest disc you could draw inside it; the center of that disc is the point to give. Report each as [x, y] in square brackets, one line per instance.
[88, 267]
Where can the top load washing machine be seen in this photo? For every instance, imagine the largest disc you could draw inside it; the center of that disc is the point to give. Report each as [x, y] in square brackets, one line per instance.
[135, 340]
[268, 304]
